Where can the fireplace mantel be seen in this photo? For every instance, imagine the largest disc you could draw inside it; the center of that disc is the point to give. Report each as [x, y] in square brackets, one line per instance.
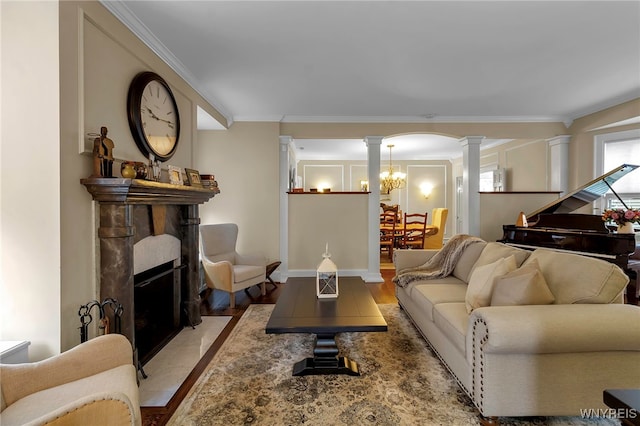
[122, 207]
[138, 191]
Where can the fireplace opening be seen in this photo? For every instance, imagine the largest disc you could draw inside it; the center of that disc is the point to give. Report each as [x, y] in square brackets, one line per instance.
[157, 309]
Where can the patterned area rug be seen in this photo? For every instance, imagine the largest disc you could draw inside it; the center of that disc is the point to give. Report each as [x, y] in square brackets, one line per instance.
[249, 382]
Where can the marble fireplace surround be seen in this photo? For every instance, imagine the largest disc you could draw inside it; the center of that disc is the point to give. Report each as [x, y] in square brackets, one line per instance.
[130, 211]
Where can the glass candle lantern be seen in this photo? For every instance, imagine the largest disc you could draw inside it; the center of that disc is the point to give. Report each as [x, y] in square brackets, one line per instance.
[327, 277]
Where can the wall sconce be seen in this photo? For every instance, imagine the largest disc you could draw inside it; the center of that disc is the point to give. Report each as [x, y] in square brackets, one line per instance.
[426, 189]
[364, 185]
[324, 187]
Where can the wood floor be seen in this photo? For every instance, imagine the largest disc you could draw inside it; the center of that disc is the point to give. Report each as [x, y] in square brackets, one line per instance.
[217, 303]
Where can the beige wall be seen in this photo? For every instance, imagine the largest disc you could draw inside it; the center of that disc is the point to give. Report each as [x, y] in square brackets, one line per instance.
[69, 75]
[581, 149]
[76, 59]
[341, 175]
[337, 219]
[244, 160]
[30, 251]
[503, 208]
[99, 58]
[347, 174]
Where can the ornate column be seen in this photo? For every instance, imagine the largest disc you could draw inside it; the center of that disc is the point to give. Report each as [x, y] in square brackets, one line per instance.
[373, 165]
[190, 249]
[116, 232]
[284, 170]
[470, 213]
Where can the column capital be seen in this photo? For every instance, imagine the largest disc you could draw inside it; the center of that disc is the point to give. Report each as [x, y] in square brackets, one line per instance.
[559, 140]
[285, 141]
[471, 140]
[373, 140]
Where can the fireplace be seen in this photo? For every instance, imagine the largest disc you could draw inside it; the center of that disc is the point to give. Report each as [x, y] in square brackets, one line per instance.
[145, 226]
[156, 297]
[156, 282]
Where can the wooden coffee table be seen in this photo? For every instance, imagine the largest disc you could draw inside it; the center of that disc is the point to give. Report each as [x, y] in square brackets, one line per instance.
[298, 310]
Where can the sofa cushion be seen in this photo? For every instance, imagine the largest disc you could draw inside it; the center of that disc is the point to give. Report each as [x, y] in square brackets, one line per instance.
[450, 280]
[467, 260]
[429, 295]
[574, 278]
[452, 319]
[524, 286]
[494, 251]
[482, 280]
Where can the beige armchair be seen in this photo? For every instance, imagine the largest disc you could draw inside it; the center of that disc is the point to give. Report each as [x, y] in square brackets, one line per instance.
[92, 383]
[439, 220]
[224, 268]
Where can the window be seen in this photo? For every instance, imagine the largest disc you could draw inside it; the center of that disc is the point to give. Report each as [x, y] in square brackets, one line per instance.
[492, 179]
[617, 149]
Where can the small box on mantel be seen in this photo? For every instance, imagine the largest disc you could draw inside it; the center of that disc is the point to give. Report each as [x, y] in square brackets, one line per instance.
[209, 182]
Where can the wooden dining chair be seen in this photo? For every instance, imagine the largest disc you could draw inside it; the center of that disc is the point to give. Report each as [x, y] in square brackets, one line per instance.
[414, 229]
[388, 223]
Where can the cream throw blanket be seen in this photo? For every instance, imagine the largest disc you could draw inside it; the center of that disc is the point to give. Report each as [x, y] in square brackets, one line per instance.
[441, 264]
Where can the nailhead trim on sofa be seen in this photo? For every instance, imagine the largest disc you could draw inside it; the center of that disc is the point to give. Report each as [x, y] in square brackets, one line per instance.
[442, 361]
[480, 367]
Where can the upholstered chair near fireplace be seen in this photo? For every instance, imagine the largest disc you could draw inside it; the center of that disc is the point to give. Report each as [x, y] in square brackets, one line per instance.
[92, 383]
[224, 268]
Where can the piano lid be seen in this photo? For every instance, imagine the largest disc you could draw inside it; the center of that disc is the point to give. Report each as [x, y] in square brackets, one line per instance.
[584, 195]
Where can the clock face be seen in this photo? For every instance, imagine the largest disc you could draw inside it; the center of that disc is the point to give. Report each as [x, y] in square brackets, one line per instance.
[153, 116]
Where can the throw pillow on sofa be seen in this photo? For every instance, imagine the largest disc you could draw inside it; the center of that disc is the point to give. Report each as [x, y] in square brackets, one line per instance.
[524, 286]
[482, 281]
[493, 251]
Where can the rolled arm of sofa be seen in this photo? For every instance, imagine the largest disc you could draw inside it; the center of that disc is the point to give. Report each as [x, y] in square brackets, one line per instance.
[220, 274]
[94, 356]
[540, 329]
[403, 259]
[109, 408]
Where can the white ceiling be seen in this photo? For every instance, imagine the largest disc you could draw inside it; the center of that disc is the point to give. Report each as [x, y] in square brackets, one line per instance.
[414, 61]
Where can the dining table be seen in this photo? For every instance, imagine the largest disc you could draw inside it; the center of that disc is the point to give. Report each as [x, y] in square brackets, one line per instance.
[429, 229]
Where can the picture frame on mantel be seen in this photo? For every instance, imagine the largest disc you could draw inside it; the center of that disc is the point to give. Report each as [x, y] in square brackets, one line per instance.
[175, 175]
[193, 177]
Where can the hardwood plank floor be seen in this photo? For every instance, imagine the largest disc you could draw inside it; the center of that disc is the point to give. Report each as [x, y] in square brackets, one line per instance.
[217, 303]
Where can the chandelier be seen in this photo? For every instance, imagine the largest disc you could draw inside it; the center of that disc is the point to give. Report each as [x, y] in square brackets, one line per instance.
[391, 180]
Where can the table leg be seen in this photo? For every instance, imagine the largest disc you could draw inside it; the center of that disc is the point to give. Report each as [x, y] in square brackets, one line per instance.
[325, 359]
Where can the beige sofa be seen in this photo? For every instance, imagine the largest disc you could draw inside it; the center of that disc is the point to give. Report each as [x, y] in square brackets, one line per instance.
[516, 359]
[92, 383]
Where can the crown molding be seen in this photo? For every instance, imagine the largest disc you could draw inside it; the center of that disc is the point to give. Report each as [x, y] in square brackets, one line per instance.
[422, 119]
[267, 118]
[131, 21]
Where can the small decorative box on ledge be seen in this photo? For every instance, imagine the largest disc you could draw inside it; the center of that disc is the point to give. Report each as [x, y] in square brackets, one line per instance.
[327, 277]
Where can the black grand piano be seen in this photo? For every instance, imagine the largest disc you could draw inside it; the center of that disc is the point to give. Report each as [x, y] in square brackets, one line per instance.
[554, 226]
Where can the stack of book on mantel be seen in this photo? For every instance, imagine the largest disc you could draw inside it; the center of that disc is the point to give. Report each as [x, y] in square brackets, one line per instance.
[209, 182]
